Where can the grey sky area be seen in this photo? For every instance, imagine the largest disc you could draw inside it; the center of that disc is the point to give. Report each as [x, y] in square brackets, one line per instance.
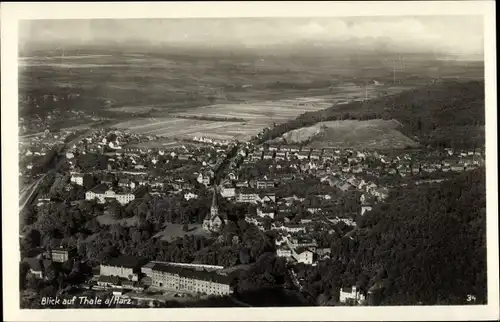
[461, 35]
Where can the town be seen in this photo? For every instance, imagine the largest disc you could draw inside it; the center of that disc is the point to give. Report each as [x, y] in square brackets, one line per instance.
[226, 194]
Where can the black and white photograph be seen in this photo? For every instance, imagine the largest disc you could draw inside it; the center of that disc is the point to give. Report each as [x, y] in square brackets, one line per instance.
[322, 161]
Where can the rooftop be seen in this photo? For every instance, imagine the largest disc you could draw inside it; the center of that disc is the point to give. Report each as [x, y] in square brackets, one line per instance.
[192, 273]
[125, 261]
[100, 188]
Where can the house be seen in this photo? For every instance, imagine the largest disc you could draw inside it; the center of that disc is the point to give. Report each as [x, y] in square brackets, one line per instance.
[77, 179]
[98, 192]
[280, 155]
[184, 157]
[351, 295]
[247, 195]
[357, 169]
[242, 184]
[190, 195]
[157, 184]
[303, 155]
[323, 253]
[302, 242]
[313, 210]
[105, 281]
[291, 228]
[43, 200]
[228, 192]
[315, 155]
[381, 193]
[305, 257]
[61, 255]
[232, 176]
[269, 197]
[457, 167]
[204, 179]
[126, 183]
[365, 208]
[265, 212]
[127, 267]
[264, 184]
[268, 155]
[347, 221]
[273, 148]
[132, 286]
[344, 186]
[37, 267]
[256, 156]
[283, 252]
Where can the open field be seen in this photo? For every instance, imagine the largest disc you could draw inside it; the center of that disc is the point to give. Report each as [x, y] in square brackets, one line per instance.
[172, 231]
[160, 144]
[258, 115]
[178, 128]
[369, 134]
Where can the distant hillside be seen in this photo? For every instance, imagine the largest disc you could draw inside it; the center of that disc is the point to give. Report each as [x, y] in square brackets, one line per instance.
[366, 134]
[446, 114]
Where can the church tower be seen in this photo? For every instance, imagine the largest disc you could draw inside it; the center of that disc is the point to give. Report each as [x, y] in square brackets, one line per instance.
[214, 209]
[213, 221]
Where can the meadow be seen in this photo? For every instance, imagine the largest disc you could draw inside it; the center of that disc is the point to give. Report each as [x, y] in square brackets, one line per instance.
[173, 231]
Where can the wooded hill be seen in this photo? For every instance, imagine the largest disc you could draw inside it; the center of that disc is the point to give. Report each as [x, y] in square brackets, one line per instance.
[446, 114]
[425, 245]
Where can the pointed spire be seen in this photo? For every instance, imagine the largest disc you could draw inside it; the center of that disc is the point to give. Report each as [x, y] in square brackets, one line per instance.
[214, 198]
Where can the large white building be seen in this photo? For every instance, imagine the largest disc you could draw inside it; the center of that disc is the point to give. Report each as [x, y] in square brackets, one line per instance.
[228, 192]
[127, 267]
[306, 257]
[351, 294]
[192, 280]
[103, 194]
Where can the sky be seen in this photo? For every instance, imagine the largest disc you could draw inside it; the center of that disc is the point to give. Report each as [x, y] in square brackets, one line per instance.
[446, 34]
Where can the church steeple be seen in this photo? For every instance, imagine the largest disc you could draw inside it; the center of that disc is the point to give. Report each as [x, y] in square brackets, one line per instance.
[214, 209]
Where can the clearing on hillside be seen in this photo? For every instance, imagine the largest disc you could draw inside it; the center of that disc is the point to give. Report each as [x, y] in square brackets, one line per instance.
[369, 134]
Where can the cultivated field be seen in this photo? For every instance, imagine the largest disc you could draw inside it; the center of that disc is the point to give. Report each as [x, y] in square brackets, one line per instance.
[172, 231]
[160, 144]
[369, 134]
[257, 115]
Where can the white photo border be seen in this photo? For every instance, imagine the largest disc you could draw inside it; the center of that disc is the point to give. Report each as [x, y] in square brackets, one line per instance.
[11, 13]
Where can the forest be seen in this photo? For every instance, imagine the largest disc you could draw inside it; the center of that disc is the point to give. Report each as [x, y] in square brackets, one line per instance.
[425, 245]
[450, 114]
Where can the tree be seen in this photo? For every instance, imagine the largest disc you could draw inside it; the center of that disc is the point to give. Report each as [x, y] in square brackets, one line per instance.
[23, 273]
[244, 256]
[51, 273]
[185, 227]
[32, 239]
